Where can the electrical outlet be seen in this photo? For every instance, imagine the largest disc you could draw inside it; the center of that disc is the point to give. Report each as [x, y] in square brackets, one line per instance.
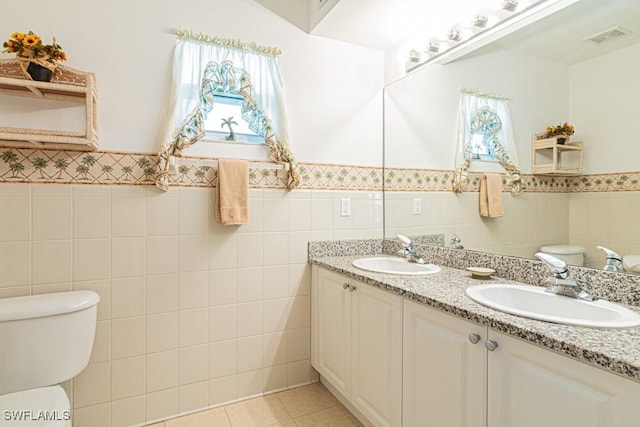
[417, 206]
[345, 207]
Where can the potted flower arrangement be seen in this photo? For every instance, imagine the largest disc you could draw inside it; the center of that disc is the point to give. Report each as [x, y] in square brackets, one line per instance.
[561, 131]
[38, 60]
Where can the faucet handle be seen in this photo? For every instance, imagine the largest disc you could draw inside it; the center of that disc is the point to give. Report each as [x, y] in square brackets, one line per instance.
[557, 266]
[610, 254]
[406, 242]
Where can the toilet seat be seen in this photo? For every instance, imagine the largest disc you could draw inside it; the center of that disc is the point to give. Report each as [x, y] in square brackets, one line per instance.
[41, 407]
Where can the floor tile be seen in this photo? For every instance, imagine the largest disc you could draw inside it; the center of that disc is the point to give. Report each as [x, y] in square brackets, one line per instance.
[336, 416]
[305, 400]
[212, 418]
[258, 412]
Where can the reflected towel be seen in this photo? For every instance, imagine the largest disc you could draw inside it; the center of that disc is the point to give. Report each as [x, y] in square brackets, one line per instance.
[491, 195]
[232, 195]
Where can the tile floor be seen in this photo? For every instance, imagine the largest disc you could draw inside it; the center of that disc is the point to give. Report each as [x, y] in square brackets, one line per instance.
[308, 406]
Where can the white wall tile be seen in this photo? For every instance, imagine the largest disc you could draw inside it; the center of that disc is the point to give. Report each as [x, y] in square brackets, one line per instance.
[299, 279]
[52, 214]
[15, 263]
[91, 212]
[223, 250]
[276, 248]
[52, 261]
[162, 405]
[162, 255]
[194, 253]
[93, 416]
[300, 316]
[256, 215]
[249, 319]
[298, 344]
[250, 353]
[193, 364]
[92, 385]
[193, 327]
[162, 370]
[162, 216]
[128, 412]
[128, 297]
[127, 337]
[128, 257]
[162, 293]
[276, 314]
[102, 343]
[15, 213]
[250, 252]
[276, 281]
[223, 322]
[223, 390]
[275, 378]
[223, 287]
[223, 358]
[194, 214]
[275, 349]
[194, 289]
[91, 259]
[298, 246]
[51, 288]
[250, 284]
[321, 214]
[299, 373]
[162, 332]
[250, 383]
[192, 397]
[128, 216]
[300, 214]
[276, 211]
[127, 377]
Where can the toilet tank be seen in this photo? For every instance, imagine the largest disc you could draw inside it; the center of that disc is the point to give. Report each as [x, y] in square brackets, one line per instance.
[571, 254]
[45, 339]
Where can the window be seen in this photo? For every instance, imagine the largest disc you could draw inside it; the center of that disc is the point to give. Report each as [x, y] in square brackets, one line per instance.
[227, 111]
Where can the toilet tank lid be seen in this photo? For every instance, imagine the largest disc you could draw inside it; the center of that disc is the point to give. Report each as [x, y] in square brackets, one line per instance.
[563, 249]
[19, 308]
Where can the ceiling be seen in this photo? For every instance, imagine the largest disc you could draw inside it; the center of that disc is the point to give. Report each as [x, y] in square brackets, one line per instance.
[387, 24]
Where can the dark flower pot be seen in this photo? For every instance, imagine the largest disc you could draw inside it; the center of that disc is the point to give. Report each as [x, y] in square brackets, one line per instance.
[39, 73]
[561, 140]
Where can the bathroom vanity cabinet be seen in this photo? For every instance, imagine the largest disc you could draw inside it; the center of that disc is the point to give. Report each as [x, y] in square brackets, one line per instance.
[458, 373]
[357, 344]
[383, 352]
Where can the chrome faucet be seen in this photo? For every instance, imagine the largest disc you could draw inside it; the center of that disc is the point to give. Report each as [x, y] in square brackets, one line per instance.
[561, 283]
[456, 243]
[613, 262]
[408, 251]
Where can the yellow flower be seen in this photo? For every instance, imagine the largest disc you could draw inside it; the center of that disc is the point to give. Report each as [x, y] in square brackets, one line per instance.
[31, 41]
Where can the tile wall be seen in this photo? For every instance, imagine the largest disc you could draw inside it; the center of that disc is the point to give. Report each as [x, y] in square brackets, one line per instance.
[192, 314]
[530, 220]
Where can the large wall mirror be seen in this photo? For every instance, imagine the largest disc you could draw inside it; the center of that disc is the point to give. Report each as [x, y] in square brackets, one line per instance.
[579, 65]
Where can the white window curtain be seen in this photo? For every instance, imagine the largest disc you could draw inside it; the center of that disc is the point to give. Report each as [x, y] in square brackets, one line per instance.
[484, 122]
[203, 65]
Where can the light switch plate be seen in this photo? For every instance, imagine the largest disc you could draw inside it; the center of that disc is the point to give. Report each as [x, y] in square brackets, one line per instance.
[345, 207]
[417, 206]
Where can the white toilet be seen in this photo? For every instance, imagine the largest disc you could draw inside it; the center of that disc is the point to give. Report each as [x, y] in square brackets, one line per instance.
[44, 340]
[571, 254]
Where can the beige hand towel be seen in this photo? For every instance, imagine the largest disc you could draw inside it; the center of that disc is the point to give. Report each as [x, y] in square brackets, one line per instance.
[491, 195]
[232, 195]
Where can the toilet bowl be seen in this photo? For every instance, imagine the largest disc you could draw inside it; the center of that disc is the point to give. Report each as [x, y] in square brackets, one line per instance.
[46, 339]
[571, 254]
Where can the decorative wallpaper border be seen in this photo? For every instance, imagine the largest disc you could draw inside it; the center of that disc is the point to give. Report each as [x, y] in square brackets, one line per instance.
[26, 165]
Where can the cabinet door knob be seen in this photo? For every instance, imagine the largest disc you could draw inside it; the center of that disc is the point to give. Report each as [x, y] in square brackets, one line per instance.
[345, 286]
[352, 288]
[474, 338]
[491, 345]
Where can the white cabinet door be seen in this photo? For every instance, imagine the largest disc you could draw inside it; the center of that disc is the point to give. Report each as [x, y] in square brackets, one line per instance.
[444, 383]
[377, 355]
[531, 387]
[333, 329]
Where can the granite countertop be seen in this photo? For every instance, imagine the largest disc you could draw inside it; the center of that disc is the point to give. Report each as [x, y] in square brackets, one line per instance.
[615, 350]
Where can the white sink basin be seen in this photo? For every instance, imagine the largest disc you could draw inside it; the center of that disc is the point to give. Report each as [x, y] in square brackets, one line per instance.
[533, 302]
[395, 265]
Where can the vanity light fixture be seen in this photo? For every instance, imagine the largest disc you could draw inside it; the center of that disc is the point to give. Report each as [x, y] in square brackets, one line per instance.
[510, 5]
[480, 20]
[414, 56]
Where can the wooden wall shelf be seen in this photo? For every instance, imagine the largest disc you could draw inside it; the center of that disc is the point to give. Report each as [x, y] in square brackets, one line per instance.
[67, 84]
[550, 158]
